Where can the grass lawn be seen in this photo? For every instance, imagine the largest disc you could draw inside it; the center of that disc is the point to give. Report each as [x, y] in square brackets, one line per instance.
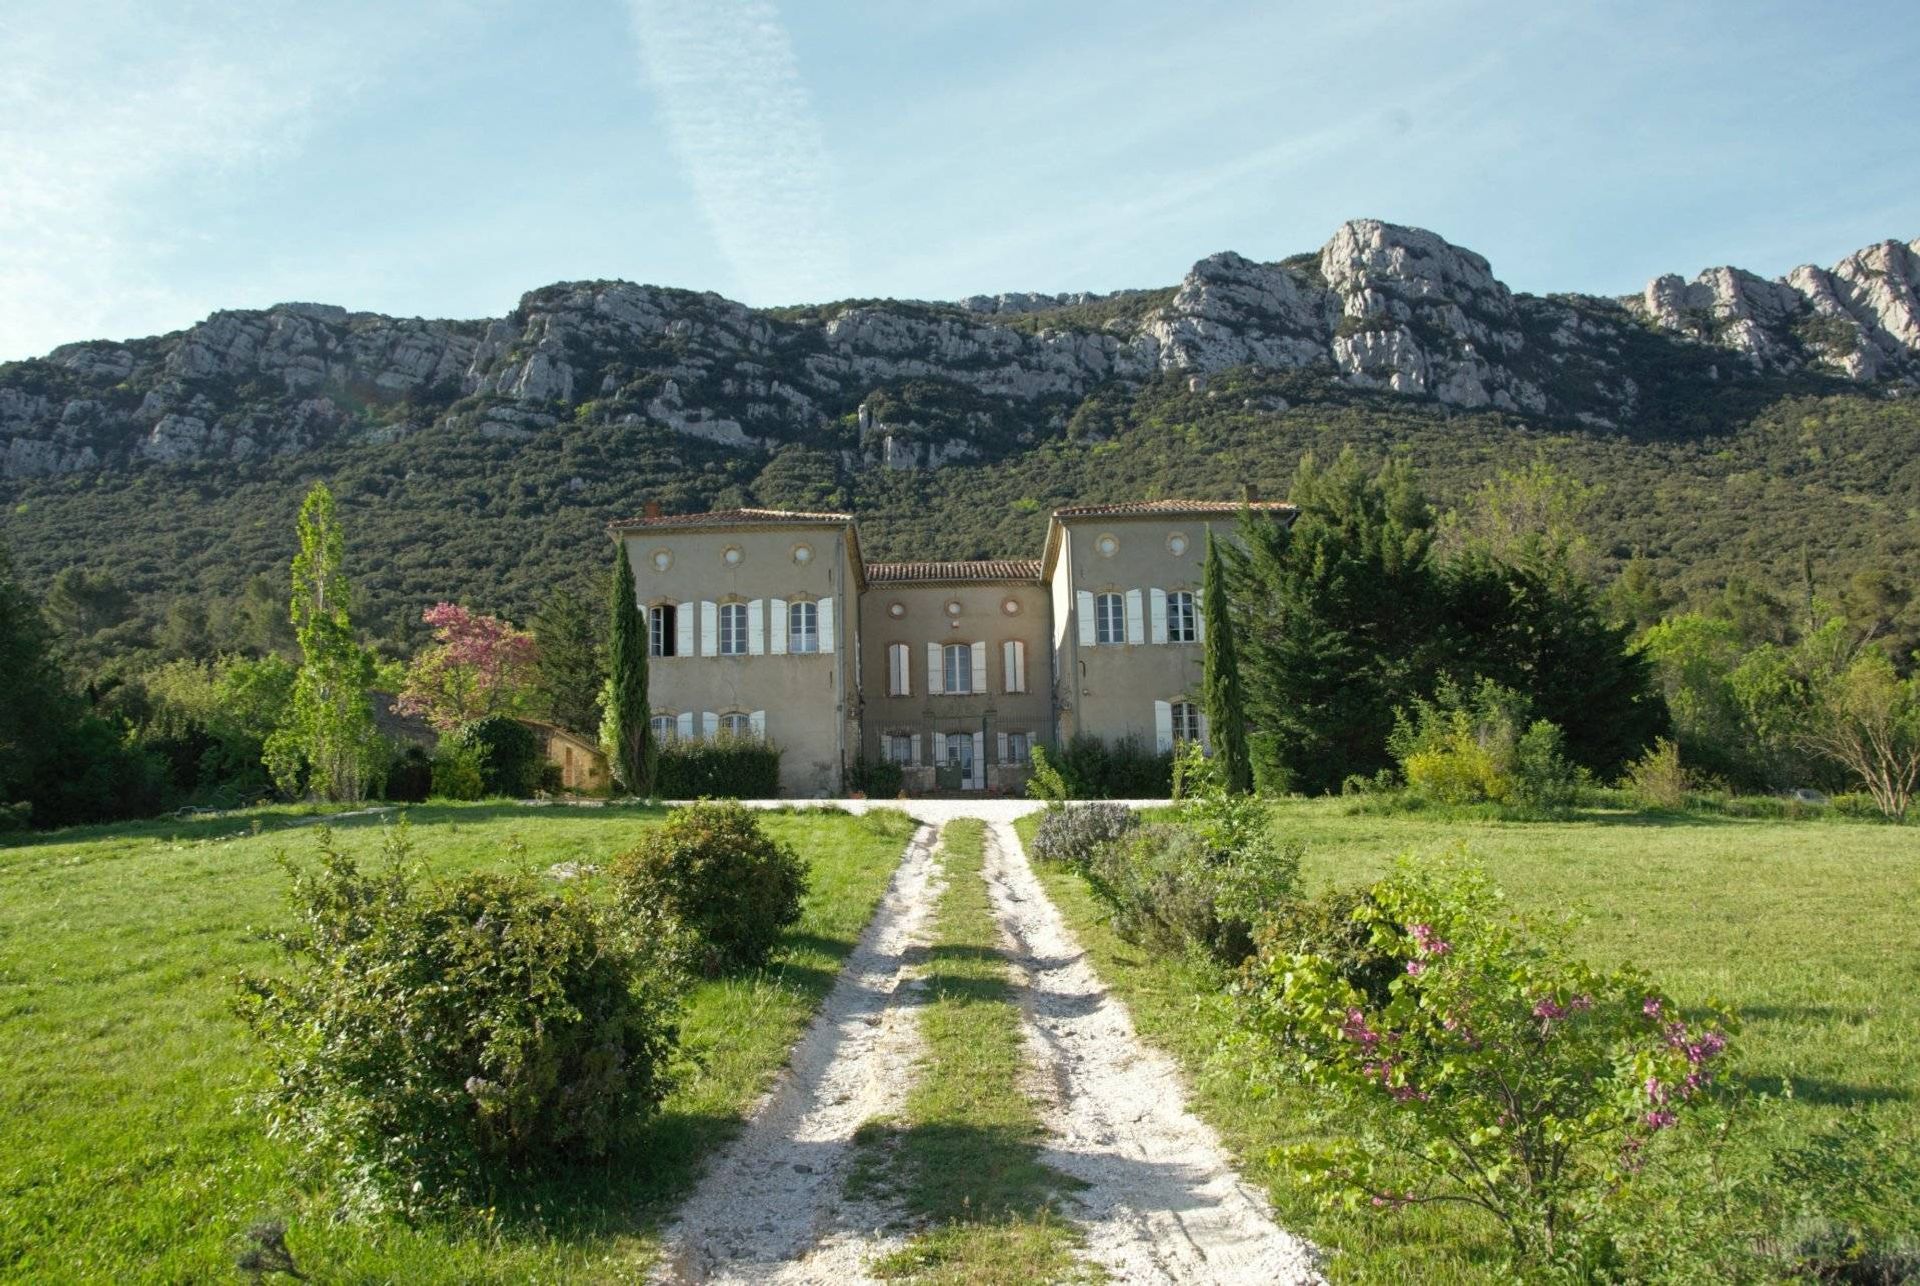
[1811, 930]
[126, 1152]
[966, 1157]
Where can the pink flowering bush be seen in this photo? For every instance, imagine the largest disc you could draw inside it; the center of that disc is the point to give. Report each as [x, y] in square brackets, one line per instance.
[1500, 1073]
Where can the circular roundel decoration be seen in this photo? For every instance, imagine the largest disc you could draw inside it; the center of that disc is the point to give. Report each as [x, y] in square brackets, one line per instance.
[953, 607]
[1011, 607]
[896, 610]
[662, 559]
[1108, 545]
[803, 554]
[1177, 543]
[732, 555]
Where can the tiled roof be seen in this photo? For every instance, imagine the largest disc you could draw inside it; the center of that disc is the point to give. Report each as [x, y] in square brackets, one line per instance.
[984, 569]
[728, 518]
[1150, 508]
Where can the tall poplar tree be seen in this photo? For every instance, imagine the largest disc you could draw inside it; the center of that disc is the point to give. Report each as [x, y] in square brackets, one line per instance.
[1223, 698]
[329, 726]
[624, 727]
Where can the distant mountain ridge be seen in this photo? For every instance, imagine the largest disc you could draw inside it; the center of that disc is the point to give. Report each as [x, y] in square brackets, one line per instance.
[1379, 307]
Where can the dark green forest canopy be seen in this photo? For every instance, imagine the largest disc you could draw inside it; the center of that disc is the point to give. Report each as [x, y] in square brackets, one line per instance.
[1738, 486]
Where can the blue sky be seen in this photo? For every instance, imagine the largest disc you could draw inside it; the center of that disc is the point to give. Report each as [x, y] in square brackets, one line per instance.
[160, 159]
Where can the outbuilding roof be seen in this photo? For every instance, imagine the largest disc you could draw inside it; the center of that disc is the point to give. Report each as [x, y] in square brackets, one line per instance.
[1158, 508]
[727, 518]
[982, 569]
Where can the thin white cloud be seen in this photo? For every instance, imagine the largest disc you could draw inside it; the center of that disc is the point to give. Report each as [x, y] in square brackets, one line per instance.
[742, 125]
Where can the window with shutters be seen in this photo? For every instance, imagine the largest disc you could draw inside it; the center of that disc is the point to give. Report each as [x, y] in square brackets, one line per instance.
[900, 748]
[1017, 747]
[736, 725]
[803, 627]
[899, 670]
[1013, 657]
[733, 629]
[956, 663]
[663, 621]
[1186, 721]
[1180, 617]
[1109, 619]
[665, 728]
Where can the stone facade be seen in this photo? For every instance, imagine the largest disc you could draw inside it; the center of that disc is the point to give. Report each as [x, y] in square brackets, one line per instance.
[768, 623]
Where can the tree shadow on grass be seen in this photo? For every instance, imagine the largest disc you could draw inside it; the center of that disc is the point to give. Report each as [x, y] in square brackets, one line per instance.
[1819, 1091]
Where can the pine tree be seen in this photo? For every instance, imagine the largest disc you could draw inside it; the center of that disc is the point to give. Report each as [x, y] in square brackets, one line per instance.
[329, 728]
[1223, 698]
[624, 727]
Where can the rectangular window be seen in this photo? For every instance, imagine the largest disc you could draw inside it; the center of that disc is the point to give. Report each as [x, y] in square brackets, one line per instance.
[663, 631]
[1016, 747]
[1186, 721]
[1180, 617]
[957, 664]
[803, 627]
[1109, 620]
[900, 748]
[733, 629]
[899, 670]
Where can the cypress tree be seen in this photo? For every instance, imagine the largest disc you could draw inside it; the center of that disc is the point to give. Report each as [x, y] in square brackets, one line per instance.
[1223, 699]
[626, 727]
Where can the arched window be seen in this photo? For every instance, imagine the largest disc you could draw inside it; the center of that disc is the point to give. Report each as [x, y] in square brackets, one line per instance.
[665, 728]
[803, 627]
[736, 725]
[1180, 624]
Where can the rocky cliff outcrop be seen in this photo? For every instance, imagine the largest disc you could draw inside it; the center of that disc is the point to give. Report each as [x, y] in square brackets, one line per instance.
[1380, 307]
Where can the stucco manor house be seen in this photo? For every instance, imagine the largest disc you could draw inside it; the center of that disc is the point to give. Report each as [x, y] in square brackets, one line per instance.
[768, 623]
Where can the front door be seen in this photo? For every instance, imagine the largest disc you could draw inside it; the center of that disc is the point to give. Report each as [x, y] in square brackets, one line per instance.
[962, 763]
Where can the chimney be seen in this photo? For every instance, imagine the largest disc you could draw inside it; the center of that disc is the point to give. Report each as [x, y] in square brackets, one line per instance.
[651, 509]
[1249, 493]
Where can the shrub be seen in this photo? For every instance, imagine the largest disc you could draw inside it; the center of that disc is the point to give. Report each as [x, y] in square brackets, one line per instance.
[876, 778]
[1330, 925]
[1467, 748]
[1501, 1072]
[435, 1040]
[723, 768]
[1044, 781]
[712, 868]
[1090, 768]
[409, 776]
[1270, 774]
[456, 771]
[510, 756]
[1069, 834]
[1658, 779]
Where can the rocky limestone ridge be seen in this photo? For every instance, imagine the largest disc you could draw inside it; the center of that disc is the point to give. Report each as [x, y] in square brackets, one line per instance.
[1380, 307]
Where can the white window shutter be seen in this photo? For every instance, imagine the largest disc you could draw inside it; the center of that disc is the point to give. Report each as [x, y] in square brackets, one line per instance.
[1001, 758]
[1010, 665]
[709, 725]
[979, 758]
[1163, 726]
[936, 682]
[683, 629]
[776, 627]
[913, 749]
[709, 629]
[937, 743]
[824, 622]
[756, 626]
[1136, 622]
[758, 722]
[683, 725]
[1199, 621]
[978, 652]
[1157, 610]
[1083, 608]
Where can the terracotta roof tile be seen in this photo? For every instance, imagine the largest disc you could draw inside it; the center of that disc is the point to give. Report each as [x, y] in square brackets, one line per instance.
[728, 518]
[1150, 508]
[983, 569]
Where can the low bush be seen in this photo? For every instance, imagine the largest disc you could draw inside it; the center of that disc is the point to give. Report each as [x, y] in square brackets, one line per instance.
[1266, 750]
[409, 776]
[1501, 1072]
[722, 768]
[712, 868]
[876, 778]
[1090, 768]
[1464, 748]
[1336, 927]
[434, 1040]
[510, 757]
[1070, 834]
[1658, 779]
[456, 771]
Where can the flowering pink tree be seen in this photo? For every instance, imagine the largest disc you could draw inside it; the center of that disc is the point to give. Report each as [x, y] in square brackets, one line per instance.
[1497, 1071]
[476, 666]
